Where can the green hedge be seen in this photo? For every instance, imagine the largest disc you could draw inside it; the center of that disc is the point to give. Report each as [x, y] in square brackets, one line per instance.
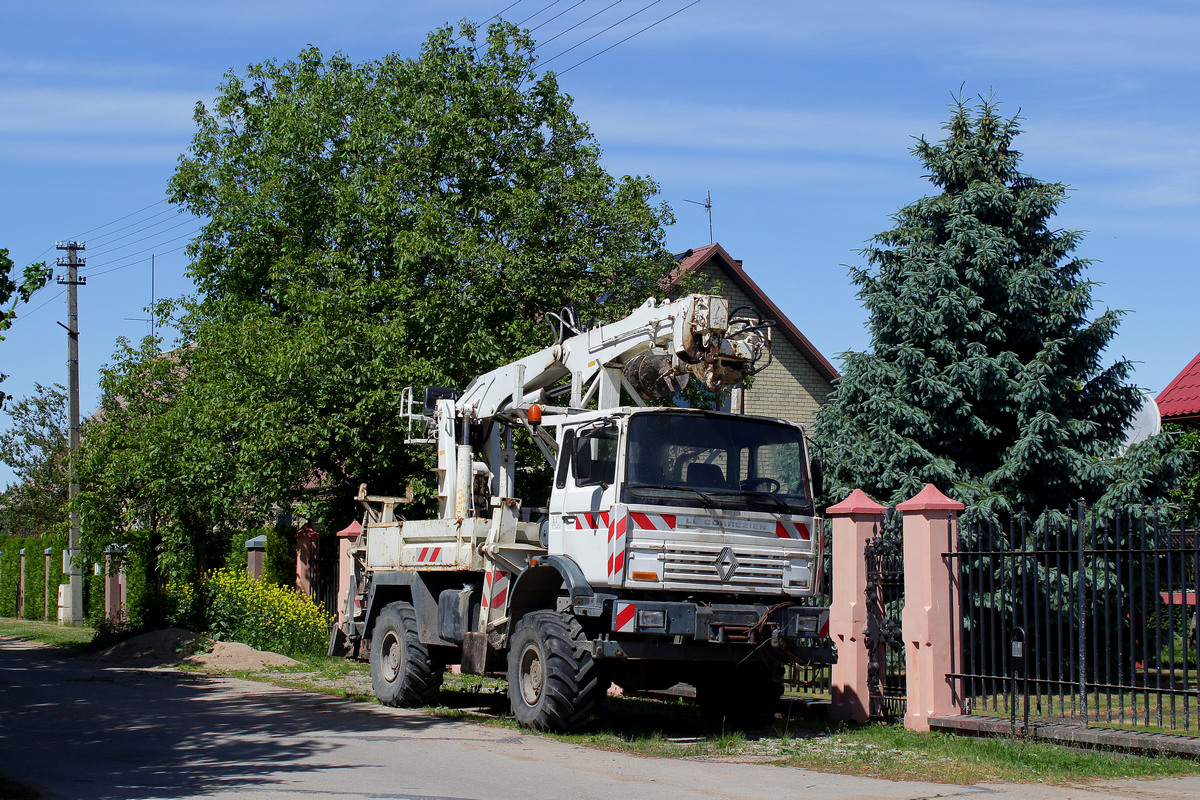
[143, 602]
[35, 574]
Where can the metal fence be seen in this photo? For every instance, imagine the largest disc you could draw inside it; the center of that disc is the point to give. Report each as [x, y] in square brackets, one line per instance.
[886, 679]
[1074, 618]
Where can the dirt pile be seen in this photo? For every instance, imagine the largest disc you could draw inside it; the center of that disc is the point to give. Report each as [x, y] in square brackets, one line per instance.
[178, 646]
[238, 656]
[149, 649]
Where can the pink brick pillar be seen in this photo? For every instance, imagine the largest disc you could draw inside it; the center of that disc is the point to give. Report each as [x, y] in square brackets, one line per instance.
[21, 587]
[307, 551]
[114, 584]
[932, 621]
[854, 521]
[46, 587]
[256, 550]
[346, 537]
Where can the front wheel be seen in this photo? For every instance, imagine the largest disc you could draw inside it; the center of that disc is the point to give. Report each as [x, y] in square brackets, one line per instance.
[552, 677]
[402, 672]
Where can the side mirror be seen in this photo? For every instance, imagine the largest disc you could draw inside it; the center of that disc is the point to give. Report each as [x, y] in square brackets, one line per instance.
[818, 478]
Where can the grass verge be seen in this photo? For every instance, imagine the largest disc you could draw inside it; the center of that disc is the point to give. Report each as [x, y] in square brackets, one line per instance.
[50, 633]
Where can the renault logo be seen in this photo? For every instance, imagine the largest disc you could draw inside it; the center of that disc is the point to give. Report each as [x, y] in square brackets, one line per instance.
[726, 564]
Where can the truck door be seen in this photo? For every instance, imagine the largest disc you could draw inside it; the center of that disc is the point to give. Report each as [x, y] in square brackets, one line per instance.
[583, 497]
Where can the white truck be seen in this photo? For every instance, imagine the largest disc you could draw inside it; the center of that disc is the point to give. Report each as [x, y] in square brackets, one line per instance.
[678, 545]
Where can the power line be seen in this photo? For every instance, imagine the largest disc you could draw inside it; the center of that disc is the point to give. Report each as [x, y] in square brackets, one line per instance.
[135, 242]
[43, 305]
[118, 219]
[566, 10]
[153, 248]
[601, 33]
[576, 25]
[103, 238]
[630, 36]
[539, 11]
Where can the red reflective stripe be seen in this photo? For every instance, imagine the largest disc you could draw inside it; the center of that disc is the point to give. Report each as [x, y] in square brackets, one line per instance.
[618, 562]
[642, 521]
[669, 519]
[805, 534]
[781, 531]
[498, 600]
[625, 615]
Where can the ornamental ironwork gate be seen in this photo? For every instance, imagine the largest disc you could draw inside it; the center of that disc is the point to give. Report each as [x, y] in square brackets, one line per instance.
[884, 554]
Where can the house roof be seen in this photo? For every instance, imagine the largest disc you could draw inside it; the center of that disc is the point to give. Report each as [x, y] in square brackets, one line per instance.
[1181, 399]
[693, 260]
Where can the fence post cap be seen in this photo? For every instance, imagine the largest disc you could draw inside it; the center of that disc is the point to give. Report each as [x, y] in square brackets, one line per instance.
[257, 543]
[856, 503]
[930, 499]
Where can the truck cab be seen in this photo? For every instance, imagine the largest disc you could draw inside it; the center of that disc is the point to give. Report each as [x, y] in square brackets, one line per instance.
[654, 499]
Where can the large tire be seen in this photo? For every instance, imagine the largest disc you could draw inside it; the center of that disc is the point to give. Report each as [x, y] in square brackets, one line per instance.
[552, 679]
[402, 672]
[745, 697]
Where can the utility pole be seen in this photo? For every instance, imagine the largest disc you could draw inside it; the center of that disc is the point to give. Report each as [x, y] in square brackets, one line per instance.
[72, 262]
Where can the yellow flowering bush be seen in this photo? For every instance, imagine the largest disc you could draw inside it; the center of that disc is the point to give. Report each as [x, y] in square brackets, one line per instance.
[266, 616]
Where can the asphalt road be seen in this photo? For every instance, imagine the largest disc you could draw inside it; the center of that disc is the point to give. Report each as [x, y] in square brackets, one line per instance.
[75, 728]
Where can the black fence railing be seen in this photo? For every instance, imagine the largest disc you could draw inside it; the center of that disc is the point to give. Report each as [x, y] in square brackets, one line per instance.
[1073, 618]
[886, 679]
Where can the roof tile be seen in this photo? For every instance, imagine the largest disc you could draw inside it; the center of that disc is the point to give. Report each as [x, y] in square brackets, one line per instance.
[1181, 398]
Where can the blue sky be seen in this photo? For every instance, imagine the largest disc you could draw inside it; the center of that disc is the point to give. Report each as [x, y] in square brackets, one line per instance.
[796, 116]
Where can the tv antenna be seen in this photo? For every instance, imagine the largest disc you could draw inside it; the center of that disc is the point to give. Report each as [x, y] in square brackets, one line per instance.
[151, 319]
[707, 207]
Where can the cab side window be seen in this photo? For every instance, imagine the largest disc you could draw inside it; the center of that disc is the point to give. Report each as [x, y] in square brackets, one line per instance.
[594, 456]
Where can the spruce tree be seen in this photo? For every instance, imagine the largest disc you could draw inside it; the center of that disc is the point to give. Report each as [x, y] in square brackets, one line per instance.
[986, 374]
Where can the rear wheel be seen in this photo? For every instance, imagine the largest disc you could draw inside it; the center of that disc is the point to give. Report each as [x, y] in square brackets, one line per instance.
[552, 679]
[402, 672]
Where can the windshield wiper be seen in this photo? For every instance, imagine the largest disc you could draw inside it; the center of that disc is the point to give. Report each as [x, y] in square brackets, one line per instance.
[768, 496]
[637, 489]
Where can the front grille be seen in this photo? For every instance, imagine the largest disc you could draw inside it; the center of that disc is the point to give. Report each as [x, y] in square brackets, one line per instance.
[702, 566]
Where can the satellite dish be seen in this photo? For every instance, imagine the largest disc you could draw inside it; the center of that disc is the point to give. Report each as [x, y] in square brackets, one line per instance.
[1146, 422]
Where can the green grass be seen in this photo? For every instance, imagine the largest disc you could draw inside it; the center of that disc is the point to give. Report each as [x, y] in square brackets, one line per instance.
[50, 633]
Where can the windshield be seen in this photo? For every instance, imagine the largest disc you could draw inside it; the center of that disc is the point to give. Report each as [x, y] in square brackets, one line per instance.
[716, 461]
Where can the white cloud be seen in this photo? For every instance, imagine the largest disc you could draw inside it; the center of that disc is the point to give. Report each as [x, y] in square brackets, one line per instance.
[95, 112]
[1079, 35]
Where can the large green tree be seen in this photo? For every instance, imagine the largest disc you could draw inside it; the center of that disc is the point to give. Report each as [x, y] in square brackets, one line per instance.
[368, 227]
[34, 447]
[986, 374]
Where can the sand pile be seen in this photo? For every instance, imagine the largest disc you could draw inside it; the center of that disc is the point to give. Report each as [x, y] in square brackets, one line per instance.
[170, 646]
[238, 656]
[149, 649]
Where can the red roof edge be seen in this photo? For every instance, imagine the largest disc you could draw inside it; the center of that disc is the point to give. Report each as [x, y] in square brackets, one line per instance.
[694, 259]
[1181, 399]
